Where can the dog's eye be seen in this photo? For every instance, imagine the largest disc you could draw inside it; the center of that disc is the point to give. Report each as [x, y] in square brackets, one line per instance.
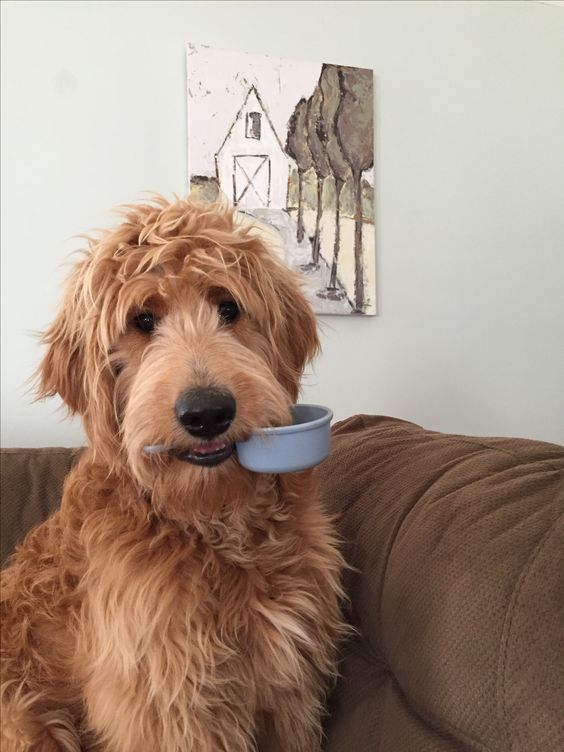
[145, 322]
[228, 311]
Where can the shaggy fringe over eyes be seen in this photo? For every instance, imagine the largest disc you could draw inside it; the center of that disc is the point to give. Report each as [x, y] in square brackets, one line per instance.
[122, 269]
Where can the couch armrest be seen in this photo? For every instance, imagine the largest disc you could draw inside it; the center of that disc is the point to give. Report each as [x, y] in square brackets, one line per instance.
[459, 547]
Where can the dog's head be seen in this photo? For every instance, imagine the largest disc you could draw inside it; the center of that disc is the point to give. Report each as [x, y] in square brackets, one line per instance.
[179, 329]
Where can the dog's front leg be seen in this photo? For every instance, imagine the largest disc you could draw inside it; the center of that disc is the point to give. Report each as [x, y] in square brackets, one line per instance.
[26, 727]
[294, 726]
[127, 719]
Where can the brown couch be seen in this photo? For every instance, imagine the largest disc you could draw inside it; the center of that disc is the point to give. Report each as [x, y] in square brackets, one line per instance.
[457, 586]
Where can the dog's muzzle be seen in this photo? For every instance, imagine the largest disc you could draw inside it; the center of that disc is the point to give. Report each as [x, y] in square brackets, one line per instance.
[205, 414]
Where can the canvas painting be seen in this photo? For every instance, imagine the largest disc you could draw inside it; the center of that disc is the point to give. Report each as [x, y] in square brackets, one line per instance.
[291, 145]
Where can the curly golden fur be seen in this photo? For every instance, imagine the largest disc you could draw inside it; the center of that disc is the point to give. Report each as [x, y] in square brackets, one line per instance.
[169, 606]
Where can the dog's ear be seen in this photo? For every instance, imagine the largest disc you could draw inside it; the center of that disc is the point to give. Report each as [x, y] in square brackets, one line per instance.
[62, 369]
[298, 331]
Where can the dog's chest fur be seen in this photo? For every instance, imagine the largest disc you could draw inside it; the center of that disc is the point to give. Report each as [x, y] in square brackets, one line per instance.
[219, 620]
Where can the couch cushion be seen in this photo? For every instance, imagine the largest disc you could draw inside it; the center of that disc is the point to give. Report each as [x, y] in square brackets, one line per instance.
[459, 593]
[30, 490]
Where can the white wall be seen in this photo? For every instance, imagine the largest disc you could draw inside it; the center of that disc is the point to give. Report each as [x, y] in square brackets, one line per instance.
[469, 181]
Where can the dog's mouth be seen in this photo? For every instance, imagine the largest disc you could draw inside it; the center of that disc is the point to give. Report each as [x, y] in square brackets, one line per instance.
[207, 455]
[204, 455]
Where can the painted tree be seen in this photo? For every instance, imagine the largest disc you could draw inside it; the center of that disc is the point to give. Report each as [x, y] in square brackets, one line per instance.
[354, 125]
[330, 101]
[316, 139]
[297, 148]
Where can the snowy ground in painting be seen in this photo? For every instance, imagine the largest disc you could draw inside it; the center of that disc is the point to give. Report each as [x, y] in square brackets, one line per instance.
[346, 256]
[281, 227]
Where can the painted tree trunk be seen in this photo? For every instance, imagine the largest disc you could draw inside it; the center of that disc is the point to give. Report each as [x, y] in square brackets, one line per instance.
[337, 244]
[358, 260]
[316, 239]
[300, 231]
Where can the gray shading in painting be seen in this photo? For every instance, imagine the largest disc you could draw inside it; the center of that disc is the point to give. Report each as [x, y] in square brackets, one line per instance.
[302, 168]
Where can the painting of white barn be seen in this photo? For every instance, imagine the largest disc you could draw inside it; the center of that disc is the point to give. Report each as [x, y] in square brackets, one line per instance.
[251, 165]
[290, 145]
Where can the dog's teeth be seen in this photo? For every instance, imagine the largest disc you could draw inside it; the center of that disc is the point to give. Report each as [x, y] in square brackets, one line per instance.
[203, 451]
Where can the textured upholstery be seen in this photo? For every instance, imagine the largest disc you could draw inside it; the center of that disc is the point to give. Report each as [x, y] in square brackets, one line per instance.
[459, 593]
[457, 585]
[30, 490]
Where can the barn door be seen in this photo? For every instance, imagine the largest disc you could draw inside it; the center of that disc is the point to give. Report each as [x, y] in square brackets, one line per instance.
[251, 180]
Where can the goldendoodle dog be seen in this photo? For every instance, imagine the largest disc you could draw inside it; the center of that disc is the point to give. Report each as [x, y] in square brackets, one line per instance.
[176, 602]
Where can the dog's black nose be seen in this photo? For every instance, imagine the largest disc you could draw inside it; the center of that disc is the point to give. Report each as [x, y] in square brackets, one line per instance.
[205, 412]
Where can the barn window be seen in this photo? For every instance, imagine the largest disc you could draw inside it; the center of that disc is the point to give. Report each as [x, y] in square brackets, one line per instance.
[253, 125]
